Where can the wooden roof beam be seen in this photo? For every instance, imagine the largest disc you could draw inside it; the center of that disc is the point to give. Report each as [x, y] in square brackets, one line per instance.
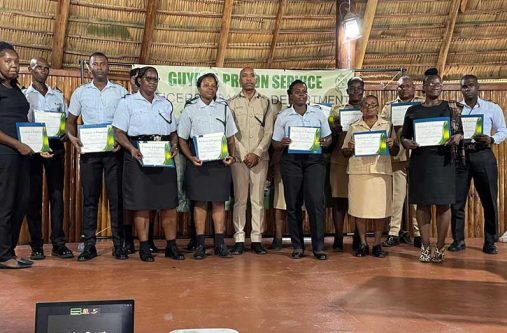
[59, 29]
[447, 38]
[149, 28]
[369, 15]
[276, 31]
[224, 32]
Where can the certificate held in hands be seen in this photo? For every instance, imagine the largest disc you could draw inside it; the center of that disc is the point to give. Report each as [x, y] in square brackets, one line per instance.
[96, 138]
[370, 143]
[156, 154]
[304, 140]
[472, 125]
[349, 116]
[398, 111]
[34, 136]
[432, 131]
[54, 121]
[211, 147]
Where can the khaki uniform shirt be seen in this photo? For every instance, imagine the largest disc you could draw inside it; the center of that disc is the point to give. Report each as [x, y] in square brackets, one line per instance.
[399, 162]
[366, 165]
[254, 119]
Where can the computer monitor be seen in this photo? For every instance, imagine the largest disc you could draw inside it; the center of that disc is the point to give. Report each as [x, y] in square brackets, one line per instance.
[115, 316]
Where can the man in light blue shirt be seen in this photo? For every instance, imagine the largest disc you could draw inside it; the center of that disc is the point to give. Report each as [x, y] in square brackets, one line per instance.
[96, 102]
[481, 166]
[43, 98]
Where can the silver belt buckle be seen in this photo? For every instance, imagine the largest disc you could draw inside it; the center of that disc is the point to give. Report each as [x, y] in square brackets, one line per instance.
[157, 138]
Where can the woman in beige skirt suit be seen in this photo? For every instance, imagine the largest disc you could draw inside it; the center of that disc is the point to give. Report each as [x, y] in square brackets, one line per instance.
[370, 177]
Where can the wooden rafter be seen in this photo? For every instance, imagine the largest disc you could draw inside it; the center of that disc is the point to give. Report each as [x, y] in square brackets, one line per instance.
[59, 29]
[449, 30]
[276, 31]
[149, 28]
[369, 15]
[224, 32]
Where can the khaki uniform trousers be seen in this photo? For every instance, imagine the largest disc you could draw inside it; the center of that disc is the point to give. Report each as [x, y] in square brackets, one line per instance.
[246, 179]
[399, 194]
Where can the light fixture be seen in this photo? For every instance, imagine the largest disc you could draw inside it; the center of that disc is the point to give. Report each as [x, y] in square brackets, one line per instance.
[351, 24]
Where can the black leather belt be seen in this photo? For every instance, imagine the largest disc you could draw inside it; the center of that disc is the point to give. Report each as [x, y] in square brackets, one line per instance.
[150, 138]
[476, 146]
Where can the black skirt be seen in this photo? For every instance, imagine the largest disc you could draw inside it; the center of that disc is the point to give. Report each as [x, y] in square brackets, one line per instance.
[211, 181]
[432, 176]
[148, 188]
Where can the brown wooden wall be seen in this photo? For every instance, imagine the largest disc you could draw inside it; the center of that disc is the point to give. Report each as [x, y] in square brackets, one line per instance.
[67, 81]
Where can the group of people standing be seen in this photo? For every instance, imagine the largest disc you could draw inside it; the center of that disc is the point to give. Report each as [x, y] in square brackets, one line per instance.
[364, 187]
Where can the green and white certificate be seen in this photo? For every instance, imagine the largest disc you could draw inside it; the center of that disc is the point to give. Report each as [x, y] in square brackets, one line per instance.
[370, 143]
[211, 147]
[34, 136]
[96, 138]
[432, 131]
[304, 140]
[472, 125]
[54, 121]
[156, 153]
[349, 116]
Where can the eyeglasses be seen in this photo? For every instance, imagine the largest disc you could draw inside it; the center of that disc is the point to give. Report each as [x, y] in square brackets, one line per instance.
[432, 85]
[151, 79]
[370, 106]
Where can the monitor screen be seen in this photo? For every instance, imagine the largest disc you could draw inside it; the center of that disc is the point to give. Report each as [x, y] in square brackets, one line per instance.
[115, 316]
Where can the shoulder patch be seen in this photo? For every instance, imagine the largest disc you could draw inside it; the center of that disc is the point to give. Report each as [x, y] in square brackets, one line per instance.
[192, 101]
[126, 95]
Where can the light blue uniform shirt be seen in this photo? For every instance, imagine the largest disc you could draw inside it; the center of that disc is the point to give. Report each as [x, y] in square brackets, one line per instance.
[94, 105]
[493, 118]
[313, 117]
[198, 118]
[53, 101]
[135, 115]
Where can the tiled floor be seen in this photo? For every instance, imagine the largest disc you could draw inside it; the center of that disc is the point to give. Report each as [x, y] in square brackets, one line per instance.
[273, 293]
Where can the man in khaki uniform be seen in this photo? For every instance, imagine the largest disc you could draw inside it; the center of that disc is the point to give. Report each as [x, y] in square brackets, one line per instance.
[254, 120]
[406, 94]
[339, 178]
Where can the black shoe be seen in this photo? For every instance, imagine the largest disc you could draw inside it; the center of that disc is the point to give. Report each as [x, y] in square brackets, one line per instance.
[405, 237]
[391, 241]
[222, 251]
[417, 242]
[297, 254]
[338, 243]
[62, 252]
[356, 241]
[13, 264]
[489, 248]
[320, 255]
[238, 248]
[199, 252]
[257, 248]
[192, 245]
[457, 246]
[37, 253]
[24, 261]
[153, 248]
[377, 251]
[88, 253]
[362, 250]
[120, 253]
[174, 253]
[276, 245]
[130, 247]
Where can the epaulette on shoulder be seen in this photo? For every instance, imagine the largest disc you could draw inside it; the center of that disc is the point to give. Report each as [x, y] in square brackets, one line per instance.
[58, 89]
[126, 95]
[192, 100]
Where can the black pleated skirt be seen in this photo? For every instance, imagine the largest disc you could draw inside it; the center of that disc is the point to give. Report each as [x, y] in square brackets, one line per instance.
[211, 181]
[147, 188]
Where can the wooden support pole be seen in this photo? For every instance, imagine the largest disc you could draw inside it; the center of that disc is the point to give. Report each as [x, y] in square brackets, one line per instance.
[278, 22]
[224, 32]
[59, 30]
[149, 28]
[369, 15]
[446, 42]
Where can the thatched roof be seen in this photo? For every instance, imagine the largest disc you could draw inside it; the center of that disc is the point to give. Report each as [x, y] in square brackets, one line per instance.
[262, 33]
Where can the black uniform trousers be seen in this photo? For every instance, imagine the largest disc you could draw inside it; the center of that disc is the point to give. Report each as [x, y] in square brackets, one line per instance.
[303, 177]
[480, 166]
[55, 174]
[93, 166]
[14, 192]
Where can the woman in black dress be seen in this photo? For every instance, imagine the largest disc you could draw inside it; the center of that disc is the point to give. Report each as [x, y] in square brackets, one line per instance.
[431, 169]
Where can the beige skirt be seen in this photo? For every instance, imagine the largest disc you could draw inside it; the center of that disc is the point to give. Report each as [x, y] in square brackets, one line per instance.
[370, 196]
[279, 196]
[339, 179]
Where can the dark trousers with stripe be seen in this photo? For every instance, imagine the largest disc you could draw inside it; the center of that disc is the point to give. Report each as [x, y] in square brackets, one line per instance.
[14, 192]
[93, 166]
[480, 166]
[55, 173]
[303, 177]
